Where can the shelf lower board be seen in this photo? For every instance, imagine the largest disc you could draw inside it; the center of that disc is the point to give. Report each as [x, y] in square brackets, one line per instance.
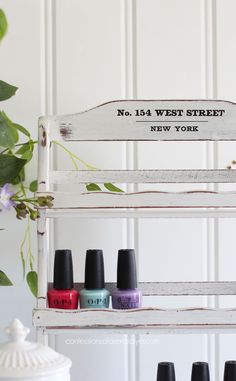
[141, 213]
[143, 318]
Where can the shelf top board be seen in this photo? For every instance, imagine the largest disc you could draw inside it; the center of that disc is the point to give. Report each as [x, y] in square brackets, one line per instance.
[124, 120]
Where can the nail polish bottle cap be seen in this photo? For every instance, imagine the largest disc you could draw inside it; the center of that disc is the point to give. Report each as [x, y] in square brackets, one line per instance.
[200, 371]
[126, 270]
[94, 270]
[166, 371]
[230, 371]
[63, 270]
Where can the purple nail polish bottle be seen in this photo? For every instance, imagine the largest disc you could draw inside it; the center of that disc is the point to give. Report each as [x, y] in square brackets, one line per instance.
[126, 296]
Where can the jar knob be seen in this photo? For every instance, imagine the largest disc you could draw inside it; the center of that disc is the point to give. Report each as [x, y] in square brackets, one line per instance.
[17, 331]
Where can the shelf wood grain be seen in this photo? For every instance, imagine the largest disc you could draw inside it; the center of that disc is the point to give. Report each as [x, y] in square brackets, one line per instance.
[143, 318]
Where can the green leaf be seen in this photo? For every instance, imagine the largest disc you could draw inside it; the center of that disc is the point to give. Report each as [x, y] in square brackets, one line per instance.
[21, 129]
[3, 24]
[32, 280]
[92, 187]
[6, 90]
[8, 134]
[29, 146]
[112, 188]
[33, 186]
[25, 147]
[10, 167]
[4, 280]
[18, 127]
[27, 156]
[20, 178]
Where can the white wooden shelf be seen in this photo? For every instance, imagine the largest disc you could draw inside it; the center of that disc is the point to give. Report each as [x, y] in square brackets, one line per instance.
[142, 318]
[215, 121]
[141, 213]
[177, 288]
[147, 319]
[144, 176]
[141, 200]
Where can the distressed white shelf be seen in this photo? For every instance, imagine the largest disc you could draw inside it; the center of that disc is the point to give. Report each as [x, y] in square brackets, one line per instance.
[142, 318]
[149, 332]
[160, 120]
[147, 199]
[106, 122]
[141, 213]
[144, 176]
[177, 288]
[147, 319]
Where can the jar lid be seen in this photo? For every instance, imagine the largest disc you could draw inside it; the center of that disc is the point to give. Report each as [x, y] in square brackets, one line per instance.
[22, 359]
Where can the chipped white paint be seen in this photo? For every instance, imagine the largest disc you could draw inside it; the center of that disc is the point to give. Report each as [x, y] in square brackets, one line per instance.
[141, 213]
[147, 318]
[146, 199]
[42, 260]
[139, 318]
[102, 123]
[121, 120]
[144, 176]
[160, 330]
[177, 288]
[42, 231]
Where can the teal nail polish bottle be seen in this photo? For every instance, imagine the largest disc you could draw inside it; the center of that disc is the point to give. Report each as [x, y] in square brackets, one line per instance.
[94, 294]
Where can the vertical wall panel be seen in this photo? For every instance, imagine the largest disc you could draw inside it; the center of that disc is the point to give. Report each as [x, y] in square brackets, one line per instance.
[169, 49]
[89, 53]
[169, 66]
[226, 84]
[89, 50]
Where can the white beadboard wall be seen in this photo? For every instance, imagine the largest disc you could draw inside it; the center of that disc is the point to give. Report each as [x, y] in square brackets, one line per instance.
[69, 56]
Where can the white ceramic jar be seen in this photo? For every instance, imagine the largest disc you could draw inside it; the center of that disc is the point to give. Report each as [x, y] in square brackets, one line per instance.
[22, 360]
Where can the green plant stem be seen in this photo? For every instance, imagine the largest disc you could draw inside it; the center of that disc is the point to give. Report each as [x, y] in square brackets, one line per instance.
[22, 251]
[31, 258]
[19, 145]
[22, 188]
[72, 155]
[23, 199]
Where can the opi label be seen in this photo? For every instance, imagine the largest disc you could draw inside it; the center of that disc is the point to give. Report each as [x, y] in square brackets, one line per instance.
[128, 302]
[62, 302]
[97, 302]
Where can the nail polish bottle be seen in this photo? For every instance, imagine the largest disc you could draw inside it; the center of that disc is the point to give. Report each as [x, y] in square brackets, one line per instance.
[166, 371]
[200, 371]
[230, 371]
[63, 295]
[94, 294]
[126, 296]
